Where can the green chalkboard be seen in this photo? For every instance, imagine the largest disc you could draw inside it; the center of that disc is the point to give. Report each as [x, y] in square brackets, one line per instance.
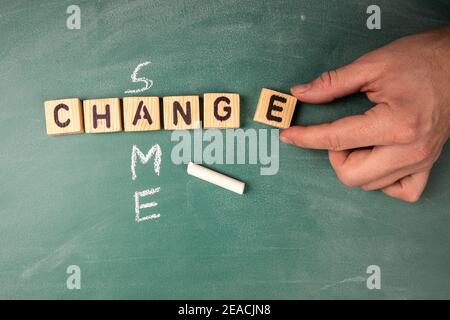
[69, 200]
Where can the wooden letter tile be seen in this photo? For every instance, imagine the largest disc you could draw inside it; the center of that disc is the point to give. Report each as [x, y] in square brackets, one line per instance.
[182, 112]
[275, 108]
[102, 115]
[64, 116]
[221, 110]
[141, 113]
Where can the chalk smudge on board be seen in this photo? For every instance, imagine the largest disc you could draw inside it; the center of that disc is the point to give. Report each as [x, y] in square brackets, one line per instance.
[357, 279]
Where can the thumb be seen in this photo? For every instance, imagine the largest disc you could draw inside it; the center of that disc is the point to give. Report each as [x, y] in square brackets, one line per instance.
[333, 84]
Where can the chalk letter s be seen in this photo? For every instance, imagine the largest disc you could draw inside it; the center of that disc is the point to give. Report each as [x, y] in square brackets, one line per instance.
[148, 83]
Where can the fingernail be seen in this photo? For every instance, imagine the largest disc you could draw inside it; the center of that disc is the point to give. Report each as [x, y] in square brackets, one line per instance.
[285, 140]
[301, 88]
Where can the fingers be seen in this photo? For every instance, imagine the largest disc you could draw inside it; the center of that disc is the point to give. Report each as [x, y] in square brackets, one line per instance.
[405, 183]
[388, 180]
[409, 188]
[364, 166]
[334, 84]
[392, 178]
[356, 131]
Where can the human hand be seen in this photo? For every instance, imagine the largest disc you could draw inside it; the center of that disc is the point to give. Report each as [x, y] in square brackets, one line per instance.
[392, 146]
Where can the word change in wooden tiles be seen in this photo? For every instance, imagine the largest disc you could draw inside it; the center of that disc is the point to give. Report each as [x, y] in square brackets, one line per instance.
[68, 116]
[220, 110]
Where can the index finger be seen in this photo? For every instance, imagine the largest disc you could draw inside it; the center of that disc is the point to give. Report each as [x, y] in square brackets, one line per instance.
[351, 132]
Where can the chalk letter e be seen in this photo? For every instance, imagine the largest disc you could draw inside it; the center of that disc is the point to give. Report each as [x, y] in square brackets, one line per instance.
[139, 206]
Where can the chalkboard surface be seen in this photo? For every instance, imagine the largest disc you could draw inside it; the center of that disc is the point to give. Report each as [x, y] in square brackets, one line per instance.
[69, 200]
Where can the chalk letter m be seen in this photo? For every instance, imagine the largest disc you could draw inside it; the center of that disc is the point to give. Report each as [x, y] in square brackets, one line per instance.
[154, 151]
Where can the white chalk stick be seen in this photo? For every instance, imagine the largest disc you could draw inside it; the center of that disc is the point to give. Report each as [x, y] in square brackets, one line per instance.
[216, 178]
